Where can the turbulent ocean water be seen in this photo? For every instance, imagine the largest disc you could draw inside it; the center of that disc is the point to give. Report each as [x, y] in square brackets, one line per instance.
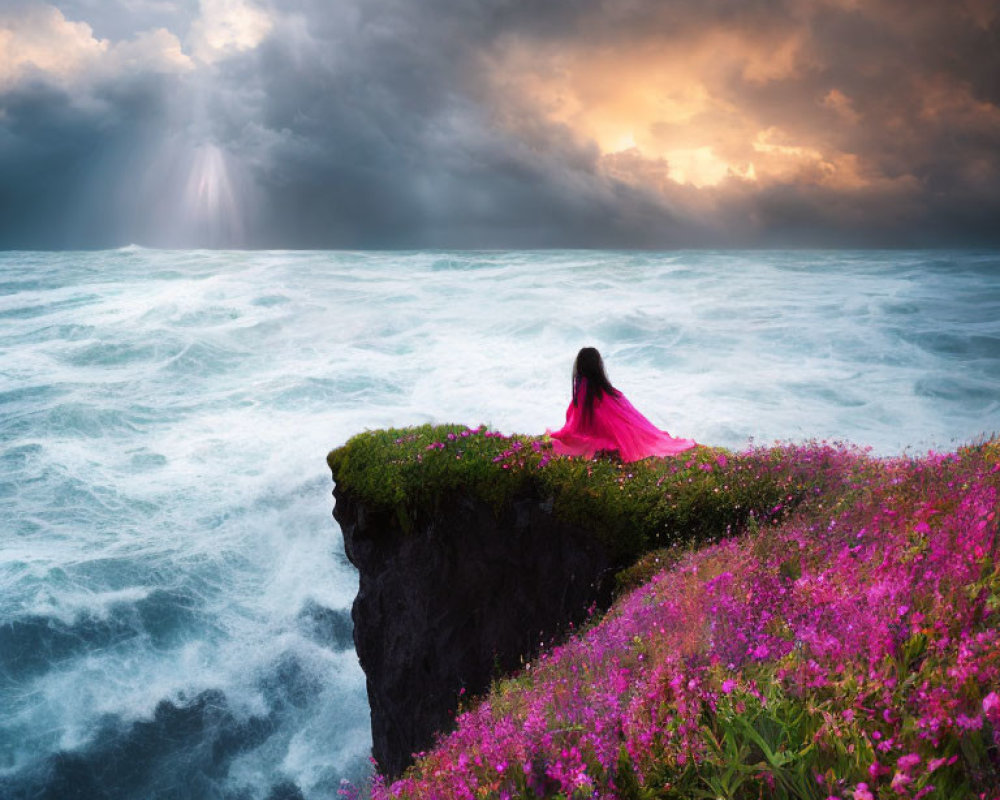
[174, 598]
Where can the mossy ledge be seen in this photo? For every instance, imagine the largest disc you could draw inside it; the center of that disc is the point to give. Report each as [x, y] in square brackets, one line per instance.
[702, 494]
[475, 548]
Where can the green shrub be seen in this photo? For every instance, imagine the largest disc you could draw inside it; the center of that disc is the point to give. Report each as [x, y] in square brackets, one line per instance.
[700, 495]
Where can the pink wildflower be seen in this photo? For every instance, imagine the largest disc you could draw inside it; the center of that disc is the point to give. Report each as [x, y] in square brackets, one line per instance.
[991, 706]
[900, 780]
[908, 761]
[861, 792]
[969, 723]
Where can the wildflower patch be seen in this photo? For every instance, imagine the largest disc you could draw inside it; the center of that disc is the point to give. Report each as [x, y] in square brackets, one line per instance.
[850, 649]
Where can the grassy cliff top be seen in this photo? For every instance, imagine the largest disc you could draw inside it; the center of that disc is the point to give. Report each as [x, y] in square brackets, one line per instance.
[700, 495]
[849, 651]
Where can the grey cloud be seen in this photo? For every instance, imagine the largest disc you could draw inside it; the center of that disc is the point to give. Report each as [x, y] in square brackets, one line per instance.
[122, 19]
[374, 125]
[62, 164]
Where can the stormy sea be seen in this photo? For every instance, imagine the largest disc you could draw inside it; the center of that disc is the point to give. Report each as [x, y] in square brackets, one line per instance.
[174, 597]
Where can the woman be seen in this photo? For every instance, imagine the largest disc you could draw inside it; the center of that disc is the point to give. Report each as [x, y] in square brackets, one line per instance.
[599, 418]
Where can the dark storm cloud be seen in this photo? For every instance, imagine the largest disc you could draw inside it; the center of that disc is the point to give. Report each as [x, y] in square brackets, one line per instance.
[922, 128]
[379, 140]
[403, 124]
[62, 164]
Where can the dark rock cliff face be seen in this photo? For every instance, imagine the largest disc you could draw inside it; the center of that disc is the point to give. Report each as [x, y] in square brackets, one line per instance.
[460, 598]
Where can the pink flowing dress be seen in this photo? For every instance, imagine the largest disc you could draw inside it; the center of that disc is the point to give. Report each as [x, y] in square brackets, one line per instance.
[615, 425]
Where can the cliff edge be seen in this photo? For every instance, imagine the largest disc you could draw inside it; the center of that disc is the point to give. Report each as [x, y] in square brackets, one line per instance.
[456, 601]
[475, 548]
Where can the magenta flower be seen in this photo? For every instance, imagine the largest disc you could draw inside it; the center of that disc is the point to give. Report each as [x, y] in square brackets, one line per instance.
[968, 723]
[861, 792]
[863, 610]
[991, 706]
[907, 762]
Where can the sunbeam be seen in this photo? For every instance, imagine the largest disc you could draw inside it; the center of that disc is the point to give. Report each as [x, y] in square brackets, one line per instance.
[210, 205]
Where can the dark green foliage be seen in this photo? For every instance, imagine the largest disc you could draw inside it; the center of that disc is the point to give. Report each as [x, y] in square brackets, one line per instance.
[700, 495]
[758, 747]
[646, 567]
[409, 470]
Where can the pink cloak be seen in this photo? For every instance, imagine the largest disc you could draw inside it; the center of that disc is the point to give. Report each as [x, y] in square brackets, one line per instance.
[616, 425]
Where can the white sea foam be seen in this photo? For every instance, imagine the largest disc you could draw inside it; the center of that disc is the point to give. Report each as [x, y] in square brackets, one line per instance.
[165, 417]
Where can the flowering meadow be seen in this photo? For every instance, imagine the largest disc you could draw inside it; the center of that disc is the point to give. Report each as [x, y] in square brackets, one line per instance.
[840, 643]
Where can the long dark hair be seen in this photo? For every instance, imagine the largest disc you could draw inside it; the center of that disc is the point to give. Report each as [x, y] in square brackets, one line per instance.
[590, 366]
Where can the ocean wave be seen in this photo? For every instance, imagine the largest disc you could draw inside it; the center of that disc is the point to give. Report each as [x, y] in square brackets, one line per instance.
[34, 643]
[173, 584]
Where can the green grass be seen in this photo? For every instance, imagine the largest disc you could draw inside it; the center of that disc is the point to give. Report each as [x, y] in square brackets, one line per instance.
[701, 495]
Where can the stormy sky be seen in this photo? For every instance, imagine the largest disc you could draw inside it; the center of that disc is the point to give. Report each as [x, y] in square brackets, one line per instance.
[499, 123]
